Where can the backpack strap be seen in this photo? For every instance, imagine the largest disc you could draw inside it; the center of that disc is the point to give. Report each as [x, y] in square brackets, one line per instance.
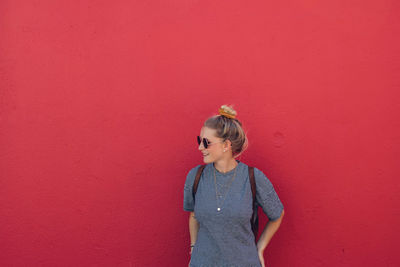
[252, 182]
[254, 217]
[197, 179]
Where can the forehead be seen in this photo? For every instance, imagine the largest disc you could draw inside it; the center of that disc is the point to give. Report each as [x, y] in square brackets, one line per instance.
[208, 133]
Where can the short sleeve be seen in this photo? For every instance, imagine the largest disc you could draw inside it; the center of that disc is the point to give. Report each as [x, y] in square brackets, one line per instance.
[266, 196]
[188, 201]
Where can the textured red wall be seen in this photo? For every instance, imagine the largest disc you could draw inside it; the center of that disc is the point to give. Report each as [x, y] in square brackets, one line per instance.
[101, 102]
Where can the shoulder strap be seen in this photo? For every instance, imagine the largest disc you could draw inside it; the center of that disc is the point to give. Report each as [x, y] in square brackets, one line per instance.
[197, 179]
[254, 217]
[252, 182]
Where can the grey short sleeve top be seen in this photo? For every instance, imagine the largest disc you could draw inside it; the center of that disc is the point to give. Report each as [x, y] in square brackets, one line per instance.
[225, 237]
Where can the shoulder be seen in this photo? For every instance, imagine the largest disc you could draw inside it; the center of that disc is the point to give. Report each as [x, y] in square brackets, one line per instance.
[194, 169]
[191, 175]
[258, 174]
[262, 180]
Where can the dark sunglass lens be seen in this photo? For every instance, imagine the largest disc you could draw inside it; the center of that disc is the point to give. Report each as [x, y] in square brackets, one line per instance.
[198, 140]
[205, 142]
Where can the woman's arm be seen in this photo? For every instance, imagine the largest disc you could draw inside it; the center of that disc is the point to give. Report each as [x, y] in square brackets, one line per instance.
[193, 229]
[270, 228]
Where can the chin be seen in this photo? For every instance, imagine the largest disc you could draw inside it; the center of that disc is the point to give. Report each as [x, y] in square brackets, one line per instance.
[206, 160]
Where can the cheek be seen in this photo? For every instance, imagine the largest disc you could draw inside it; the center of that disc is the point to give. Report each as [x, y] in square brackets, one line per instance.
[214, 151]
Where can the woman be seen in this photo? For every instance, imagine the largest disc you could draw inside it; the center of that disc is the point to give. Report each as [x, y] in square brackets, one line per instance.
[220, 211]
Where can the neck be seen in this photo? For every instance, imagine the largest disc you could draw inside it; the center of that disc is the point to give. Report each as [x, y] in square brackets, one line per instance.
[224, 165]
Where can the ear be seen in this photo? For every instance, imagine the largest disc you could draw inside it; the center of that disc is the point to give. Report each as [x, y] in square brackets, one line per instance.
[227, 143]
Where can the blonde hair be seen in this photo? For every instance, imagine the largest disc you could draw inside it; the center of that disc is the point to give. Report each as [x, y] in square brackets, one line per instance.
[229, 128]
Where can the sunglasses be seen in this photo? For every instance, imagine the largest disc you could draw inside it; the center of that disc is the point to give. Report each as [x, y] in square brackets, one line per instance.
[205, 141]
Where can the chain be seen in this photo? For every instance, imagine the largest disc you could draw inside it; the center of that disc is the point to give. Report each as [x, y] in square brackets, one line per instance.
[216, 190]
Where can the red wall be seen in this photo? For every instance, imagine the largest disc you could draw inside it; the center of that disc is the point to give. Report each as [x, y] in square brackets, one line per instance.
[101, 102]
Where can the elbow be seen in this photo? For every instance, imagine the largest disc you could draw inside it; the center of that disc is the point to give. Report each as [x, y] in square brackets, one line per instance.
[280, 217]
[283, 213]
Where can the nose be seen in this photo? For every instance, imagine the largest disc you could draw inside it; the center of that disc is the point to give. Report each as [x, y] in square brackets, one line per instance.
[201, 146]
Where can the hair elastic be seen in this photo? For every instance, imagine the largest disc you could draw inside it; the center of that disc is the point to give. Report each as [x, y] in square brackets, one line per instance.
[223, 110]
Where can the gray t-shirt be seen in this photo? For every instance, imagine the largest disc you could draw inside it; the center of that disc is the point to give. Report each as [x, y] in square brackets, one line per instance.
[225, 237]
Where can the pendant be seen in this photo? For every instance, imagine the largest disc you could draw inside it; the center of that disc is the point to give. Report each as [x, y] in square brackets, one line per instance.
[218, 209]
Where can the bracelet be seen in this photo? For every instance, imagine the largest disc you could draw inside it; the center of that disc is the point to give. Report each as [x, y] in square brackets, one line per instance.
[192, 245]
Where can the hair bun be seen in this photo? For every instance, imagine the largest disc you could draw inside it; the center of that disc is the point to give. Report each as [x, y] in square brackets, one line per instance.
[227, 111]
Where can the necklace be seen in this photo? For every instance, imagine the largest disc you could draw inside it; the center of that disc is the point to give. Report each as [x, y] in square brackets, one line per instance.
[227, 191]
